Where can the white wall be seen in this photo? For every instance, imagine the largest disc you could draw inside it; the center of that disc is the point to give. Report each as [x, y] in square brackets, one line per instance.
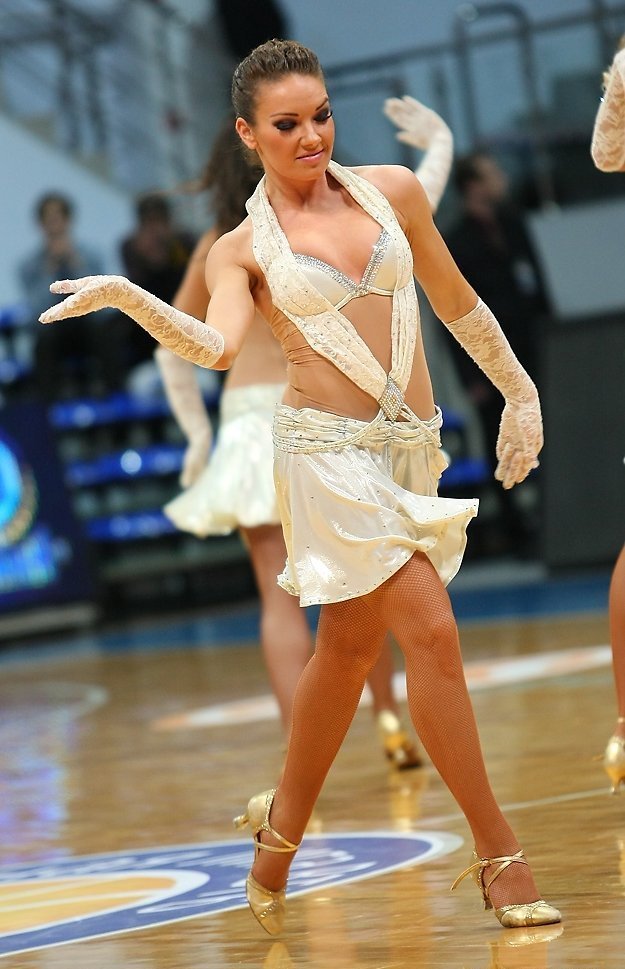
[28, 168]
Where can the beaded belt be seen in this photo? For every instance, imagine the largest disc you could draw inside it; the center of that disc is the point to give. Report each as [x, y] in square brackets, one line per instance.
[308, 430]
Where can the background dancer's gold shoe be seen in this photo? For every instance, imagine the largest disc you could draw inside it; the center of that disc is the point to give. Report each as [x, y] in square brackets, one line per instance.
[614, 760]
[398, 746]
[267, 906]
[510, 916]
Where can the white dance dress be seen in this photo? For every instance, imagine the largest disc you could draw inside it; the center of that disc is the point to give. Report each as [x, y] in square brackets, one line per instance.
[356, 499]
[236, 489]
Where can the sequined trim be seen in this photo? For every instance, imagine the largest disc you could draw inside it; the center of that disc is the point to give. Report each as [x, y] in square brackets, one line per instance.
[392, 400]
[354, 289]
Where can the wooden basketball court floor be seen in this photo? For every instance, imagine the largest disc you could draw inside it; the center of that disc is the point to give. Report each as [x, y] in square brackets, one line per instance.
[124, 756]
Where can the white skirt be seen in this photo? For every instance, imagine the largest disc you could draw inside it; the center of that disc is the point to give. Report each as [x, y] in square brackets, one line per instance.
[236, 488]
[357, 500]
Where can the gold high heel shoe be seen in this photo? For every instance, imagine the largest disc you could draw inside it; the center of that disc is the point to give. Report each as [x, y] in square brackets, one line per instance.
[267, 906]
[397, 745]
[510, 916]
[614, 760]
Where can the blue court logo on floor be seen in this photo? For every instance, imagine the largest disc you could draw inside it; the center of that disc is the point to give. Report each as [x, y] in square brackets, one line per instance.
[73, 899]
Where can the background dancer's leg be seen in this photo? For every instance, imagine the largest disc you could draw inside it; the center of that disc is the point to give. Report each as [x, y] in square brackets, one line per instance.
[617, 636]
[285, 636]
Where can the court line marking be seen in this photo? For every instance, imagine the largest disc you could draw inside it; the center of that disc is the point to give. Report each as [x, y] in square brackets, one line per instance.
[480, 674]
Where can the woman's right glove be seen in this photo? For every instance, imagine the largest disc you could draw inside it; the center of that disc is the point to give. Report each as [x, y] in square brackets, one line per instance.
[179, 332]
[185, 399]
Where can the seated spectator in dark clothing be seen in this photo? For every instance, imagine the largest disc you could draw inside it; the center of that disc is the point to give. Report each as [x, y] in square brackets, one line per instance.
[492, 248]
[74, 358]
[155, 257]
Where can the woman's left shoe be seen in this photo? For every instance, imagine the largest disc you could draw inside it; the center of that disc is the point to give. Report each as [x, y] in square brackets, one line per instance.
[267, 906]
[398, 746]
[614, 760]
[510, 916]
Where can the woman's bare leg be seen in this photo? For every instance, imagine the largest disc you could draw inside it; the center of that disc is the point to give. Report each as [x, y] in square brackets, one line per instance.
[414, 604]
[349, 639]
[285, 637]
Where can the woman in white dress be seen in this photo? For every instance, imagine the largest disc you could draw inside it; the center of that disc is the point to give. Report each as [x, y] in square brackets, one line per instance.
[326, 257]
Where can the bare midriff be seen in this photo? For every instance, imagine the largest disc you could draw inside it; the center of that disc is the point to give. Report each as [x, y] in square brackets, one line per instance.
[314, 381]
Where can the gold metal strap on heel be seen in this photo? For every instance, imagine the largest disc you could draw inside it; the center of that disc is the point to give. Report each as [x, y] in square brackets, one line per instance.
[478, 867]
[510, 916]
[267, 905]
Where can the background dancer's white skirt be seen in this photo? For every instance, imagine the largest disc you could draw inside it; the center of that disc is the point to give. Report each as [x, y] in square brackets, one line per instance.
[353, 515]
[236, 488]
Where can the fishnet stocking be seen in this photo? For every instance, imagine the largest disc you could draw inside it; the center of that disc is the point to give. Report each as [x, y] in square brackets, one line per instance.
[414, 605]
[617, 635]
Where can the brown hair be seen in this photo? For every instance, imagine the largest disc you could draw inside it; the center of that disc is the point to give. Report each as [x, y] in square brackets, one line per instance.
[269, 62]
[230, 177]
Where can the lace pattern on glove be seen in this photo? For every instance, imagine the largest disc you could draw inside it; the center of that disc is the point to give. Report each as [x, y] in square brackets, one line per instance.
[185, 399]
[608, 137]
[520, 433]
[183, 334]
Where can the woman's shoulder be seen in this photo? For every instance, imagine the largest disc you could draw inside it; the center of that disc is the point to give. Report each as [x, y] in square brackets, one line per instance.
[397, 182]
[235, 249]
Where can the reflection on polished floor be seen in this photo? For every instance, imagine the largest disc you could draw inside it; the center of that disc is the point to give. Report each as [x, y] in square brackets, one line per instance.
[124, 756]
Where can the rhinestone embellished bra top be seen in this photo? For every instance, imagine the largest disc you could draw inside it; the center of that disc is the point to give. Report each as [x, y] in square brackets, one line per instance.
[300, 289]
[379, 276]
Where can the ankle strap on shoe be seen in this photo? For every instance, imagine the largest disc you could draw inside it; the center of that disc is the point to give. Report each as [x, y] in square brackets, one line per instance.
[503, 861]
[284, 845]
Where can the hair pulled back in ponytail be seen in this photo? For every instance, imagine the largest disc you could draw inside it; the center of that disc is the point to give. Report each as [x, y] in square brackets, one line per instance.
[269, 62]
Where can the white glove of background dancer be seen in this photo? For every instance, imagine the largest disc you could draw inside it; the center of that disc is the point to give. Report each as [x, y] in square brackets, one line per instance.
[423, 128]
[608, 137]
[521, 429]
[185, 399]
[177, 331]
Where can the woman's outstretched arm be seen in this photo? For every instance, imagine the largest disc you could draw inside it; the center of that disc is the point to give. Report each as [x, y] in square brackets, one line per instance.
[214, 343]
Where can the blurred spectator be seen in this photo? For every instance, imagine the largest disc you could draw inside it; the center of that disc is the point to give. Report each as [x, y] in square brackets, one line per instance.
[155, 257]
[493, 251]
[72, 358]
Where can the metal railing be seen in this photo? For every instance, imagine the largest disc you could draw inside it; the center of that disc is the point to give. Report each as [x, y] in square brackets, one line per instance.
[116, 90]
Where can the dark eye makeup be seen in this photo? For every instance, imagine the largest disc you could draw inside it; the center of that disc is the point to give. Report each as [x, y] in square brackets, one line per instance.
[287, 124]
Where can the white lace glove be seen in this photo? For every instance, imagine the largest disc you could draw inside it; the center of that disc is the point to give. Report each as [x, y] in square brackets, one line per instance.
[422, 128]
[177, 331]
[521, 429]
[608, 137]
[185, 399]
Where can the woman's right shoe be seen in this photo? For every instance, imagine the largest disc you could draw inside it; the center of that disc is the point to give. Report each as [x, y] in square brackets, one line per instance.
[614, 760]
[397, 745]
[267, 906]
[510, 916]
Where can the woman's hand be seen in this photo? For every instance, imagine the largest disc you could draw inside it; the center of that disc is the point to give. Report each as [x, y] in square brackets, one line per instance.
[88, 294]
[418, 125]
[195, 457]
[520, 441]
